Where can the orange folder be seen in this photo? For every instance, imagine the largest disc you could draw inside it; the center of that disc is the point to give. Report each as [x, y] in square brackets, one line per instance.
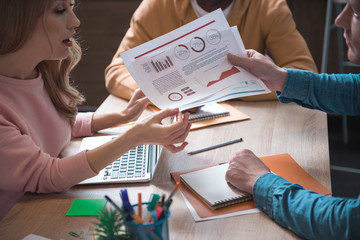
[283, 165]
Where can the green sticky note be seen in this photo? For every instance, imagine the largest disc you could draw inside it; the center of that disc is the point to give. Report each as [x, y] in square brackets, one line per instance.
[86, 207]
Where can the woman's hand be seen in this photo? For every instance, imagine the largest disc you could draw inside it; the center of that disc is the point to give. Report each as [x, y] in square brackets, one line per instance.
[136, 106]
[151, 130]
[132, 112]
[273, 76]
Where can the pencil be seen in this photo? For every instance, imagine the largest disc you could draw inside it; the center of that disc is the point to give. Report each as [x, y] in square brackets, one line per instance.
[215, 146]
[139, 205]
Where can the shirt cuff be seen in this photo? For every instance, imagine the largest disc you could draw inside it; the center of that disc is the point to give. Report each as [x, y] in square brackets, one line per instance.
[264, 189]
[296, 87]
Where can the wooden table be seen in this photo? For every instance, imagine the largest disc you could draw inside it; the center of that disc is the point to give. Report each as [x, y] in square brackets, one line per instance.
[274, 128]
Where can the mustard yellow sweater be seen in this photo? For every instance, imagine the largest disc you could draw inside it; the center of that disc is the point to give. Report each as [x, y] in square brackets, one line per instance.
[264, 25]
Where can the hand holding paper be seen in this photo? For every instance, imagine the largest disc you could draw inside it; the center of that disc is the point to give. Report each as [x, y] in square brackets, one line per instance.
[188, 67]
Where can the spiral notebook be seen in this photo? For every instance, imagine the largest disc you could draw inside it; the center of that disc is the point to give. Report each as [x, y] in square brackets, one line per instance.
[209, 111]
[210, 185]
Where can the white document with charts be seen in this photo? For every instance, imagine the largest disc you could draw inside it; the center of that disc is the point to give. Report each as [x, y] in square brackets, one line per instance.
[188, 66]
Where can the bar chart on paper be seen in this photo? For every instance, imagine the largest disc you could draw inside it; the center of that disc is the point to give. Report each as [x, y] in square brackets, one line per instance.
[161, 65]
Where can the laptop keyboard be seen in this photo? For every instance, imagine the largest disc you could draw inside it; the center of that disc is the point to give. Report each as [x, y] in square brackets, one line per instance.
[131, 165]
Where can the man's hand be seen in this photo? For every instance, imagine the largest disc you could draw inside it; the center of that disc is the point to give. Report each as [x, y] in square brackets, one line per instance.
[274, 77]
[244, 169]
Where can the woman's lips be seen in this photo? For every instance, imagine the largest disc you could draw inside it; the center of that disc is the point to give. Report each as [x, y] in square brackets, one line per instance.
[67, 42]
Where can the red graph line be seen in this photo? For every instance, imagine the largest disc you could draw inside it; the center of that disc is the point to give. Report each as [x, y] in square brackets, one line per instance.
[224, 75]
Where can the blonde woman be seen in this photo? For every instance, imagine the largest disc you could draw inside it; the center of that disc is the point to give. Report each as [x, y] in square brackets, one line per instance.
[38, 113]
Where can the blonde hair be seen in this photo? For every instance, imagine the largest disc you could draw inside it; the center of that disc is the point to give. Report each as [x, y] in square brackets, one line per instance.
[18, 19]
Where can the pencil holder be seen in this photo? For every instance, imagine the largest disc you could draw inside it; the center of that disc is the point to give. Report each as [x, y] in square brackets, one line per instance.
[154, 230]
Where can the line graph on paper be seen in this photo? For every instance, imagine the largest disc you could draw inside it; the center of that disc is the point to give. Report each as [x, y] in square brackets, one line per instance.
[224, 75]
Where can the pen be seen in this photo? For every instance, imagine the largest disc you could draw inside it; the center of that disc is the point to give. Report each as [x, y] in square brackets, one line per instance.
[176, 187]
[157, 229]
[165, 209]
[133, 215]
[162, 202]
[153, 213]
[159, 211]
[151, 207]
[112, 203]
[126, 203]
[128, 208]
[124, 197]
[137, 218]
[215, 146]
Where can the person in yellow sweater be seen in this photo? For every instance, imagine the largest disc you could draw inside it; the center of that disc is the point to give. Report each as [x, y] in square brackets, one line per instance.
[264, 25]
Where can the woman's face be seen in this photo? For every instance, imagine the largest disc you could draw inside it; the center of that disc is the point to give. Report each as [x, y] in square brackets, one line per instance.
[349, 20]
[51, 38]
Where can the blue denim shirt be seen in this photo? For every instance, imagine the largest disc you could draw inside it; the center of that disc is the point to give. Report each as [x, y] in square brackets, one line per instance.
[335, 93]
[308, 214]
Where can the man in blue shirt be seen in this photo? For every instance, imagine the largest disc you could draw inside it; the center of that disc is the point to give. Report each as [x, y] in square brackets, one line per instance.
[308, 214]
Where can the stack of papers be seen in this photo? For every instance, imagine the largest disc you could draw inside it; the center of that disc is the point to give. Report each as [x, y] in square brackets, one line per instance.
[188, 67]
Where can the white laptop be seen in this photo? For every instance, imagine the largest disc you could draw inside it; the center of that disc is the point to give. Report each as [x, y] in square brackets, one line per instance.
[137, 165]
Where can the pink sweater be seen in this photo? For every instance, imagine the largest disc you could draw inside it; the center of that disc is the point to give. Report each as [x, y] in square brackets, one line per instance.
[32, 135]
